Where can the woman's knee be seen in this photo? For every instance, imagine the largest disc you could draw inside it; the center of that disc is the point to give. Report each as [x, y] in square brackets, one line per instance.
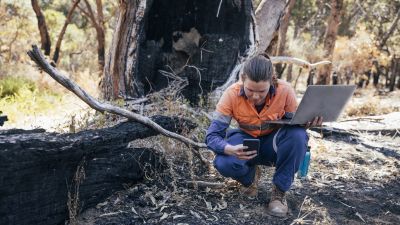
[297, 134]
[229, 166]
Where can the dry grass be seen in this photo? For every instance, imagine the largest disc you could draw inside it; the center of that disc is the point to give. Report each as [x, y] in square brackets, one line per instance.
[370, 108]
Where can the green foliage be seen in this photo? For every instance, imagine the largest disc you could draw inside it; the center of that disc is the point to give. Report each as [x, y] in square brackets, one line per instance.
[20, 97]
[12, 86]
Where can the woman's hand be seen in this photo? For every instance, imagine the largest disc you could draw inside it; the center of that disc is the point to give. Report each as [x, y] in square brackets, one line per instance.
[239, 152]
[317, 122]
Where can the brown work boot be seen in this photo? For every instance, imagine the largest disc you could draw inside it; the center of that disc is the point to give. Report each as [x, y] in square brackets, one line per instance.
[278, 205]
[252, 190]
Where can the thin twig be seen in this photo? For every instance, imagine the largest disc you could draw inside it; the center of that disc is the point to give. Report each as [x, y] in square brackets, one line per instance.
[297, 61]
[200, 183]
[219, 8]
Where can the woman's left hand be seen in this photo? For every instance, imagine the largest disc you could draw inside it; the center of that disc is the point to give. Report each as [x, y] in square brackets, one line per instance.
[317, 122]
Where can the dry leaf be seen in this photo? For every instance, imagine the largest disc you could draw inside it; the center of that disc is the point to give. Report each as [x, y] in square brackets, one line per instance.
[163, 207]
[164, 216]
[153, 200]
[222, 206]
[101, 204]
[134, 211]
[195, 214]
[178, 216]
[208, 204]
[359, 216]
[117, 201]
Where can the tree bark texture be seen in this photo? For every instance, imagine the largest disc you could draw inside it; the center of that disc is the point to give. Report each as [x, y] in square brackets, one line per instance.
[37, 169]
[330, 40]
[197, 40]
[395, 73]
[268, 15]
[392, 28]
[44, 34]
[56, 54]
[100, 31]
[284, 25]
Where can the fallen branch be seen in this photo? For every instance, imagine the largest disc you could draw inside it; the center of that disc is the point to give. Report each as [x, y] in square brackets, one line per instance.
[297, 61]
[376, 119]
[200, 183]
[327, 131]
[36, 55]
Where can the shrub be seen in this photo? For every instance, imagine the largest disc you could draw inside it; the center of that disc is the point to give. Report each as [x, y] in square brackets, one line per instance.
[11, 86]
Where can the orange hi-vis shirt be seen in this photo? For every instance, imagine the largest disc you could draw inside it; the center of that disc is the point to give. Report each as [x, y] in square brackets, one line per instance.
[234, 104]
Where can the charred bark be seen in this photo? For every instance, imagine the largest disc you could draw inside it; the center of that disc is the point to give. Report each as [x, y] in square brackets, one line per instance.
[37, 172]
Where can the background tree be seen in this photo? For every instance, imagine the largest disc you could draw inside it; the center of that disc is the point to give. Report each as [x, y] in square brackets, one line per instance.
[44, 33]
[268, 14]
[62, 32]
[284, 25]
[330, 39]
[97, 20]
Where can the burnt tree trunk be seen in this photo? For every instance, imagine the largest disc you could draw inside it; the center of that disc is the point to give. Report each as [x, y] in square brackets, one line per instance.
[330, 40]
[198, 40]
[38, 182]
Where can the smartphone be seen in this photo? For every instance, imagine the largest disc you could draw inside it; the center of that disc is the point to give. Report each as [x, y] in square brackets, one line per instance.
[252, 144]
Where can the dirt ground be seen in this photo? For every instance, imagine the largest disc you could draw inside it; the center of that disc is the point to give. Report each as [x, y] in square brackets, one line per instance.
[353, 179]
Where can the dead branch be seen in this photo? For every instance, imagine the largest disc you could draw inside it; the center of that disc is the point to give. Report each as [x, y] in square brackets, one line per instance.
[36, 55]
[375, 119]
[328, 131]
[297, 61]
[199, 183]
[62, 32]
[392, 28]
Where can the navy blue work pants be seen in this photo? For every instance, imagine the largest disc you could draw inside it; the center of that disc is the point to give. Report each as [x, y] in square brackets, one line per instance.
[284, 148]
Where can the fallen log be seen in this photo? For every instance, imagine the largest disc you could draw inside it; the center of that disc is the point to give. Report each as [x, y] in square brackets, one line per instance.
[45, 178]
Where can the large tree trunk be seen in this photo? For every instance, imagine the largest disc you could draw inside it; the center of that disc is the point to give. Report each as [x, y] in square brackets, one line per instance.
[282, 35]
[330, 40]
[44, 177]
[44, 34]
[197, 40]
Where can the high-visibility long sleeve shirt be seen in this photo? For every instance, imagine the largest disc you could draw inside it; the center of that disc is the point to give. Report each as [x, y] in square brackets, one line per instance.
[280, 102]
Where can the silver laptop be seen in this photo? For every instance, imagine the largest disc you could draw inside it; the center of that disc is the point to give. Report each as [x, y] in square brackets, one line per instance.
[327, 101]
